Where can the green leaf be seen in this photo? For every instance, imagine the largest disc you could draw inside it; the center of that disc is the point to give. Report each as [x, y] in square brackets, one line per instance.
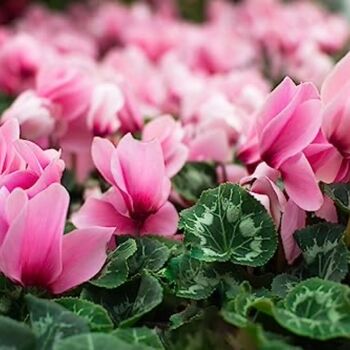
[228, 224]
[340, 194]
[267, 340]
[193, 179]
[145, 337]
[9, 293]
[15, 335]
[317, 309]
[191, 313]
[96, 316]
[151, 255]
[237, 310]
[129, 302]
[51, 321]
[191, 278]
[283, 283]
[324, 251]
[94, 341]
[116, 271]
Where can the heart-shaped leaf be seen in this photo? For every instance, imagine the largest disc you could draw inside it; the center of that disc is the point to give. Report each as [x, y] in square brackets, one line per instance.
[317, 309]
[228, 224]
[324, 251]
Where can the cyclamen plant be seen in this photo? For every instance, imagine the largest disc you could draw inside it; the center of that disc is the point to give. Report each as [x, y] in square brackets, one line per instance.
[159, 190]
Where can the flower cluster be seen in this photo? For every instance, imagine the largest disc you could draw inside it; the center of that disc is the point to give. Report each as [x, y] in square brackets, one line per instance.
[137, 93]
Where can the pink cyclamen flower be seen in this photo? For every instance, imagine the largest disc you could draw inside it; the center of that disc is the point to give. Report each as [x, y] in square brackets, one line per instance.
[263, 187]
[34, 115]
[33, 249]
[329, 154]
[24, 164]
[137, 202]
[67, 86]
[170, 135]
[20, 58]
[287, 123]
[106, 102]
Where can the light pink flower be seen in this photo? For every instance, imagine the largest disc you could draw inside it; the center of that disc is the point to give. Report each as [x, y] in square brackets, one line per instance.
[198, 140]
[137, 202]
[33, 249]
[170, 135]
[34, 115]
[24, 164]
[106, 101]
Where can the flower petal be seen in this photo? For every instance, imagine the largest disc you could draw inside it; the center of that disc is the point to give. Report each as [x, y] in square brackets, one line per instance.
[83, 255]
[101, 151]
[163, 222]
[139, 171]
[293, 219]
[300, 183]
[42, 245]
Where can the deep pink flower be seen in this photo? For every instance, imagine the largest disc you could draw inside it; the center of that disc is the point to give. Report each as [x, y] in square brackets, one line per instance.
[329, 154]
[170, 135]
[33, 249]
[137, 202]
[287, 123]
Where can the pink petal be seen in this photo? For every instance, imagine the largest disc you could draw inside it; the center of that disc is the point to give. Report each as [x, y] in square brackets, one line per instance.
[139, 171]
[325, 161]
[10, 130]
[336, 121]
[13, 243]
[277, 201]
[210, 145]
[96, 212]
[102, 151]
[83, 255]
[287, 135]
[23, 179]
[160, 128]
[176, 161]
[51, 174]
[300, 183]
[41, 254]
[231, 172]
[276, 102]
[163, 222]
[293, 219]
[4, 193]
[336, 80]
[33, 155]
[328, 211]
